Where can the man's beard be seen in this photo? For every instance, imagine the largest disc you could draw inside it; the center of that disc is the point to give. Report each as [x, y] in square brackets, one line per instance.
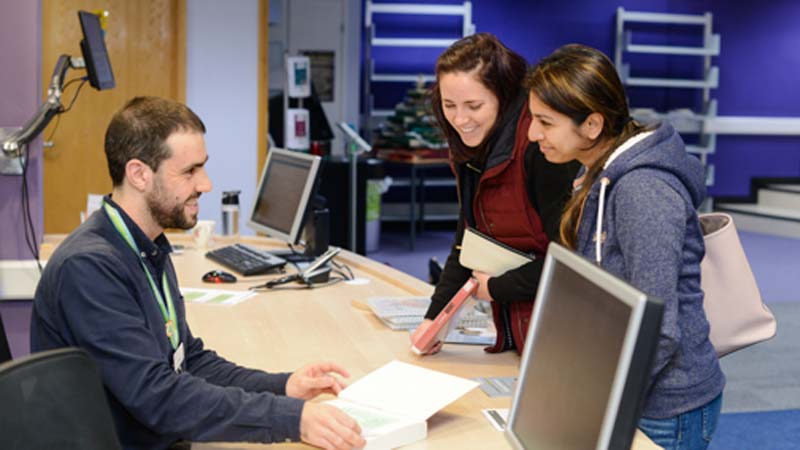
[166, 215]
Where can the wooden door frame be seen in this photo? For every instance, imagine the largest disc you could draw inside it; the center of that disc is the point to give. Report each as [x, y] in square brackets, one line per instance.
[180, 30]
[263, 84]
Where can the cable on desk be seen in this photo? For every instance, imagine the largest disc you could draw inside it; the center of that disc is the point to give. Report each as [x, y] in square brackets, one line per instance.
[277, 284]
[338, 269]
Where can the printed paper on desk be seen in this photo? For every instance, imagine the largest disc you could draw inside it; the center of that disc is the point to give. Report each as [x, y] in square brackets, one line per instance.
[407, 390]
[393, 403]
[484, 254]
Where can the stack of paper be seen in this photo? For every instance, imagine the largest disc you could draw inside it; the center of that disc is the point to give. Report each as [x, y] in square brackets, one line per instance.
[393, 403]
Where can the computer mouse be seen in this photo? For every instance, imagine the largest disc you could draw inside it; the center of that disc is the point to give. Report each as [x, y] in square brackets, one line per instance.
[218, 276]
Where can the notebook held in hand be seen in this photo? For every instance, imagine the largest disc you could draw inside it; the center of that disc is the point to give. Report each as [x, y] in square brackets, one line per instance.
[485, 254]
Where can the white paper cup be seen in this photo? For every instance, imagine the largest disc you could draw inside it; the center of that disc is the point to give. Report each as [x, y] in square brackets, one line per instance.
[202, 233]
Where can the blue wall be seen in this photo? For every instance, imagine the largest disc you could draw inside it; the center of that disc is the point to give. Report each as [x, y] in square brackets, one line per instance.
[759, 64]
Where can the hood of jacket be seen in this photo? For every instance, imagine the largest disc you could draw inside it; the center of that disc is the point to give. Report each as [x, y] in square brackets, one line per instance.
[660, 152]
[663, 151]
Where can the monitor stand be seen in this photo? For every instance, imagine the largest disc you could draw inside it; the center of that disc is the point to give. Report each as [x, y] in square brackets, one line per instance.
[293, 257]
[317, 238]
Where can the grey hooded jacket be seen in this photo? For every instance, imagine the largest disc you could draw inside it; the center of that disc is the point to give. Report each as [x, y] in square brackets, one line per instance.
[651, 237]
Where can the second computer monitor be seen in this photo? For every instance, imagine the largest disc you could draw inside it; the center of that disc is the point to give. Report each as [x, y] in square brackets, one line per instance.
[586, 361]
[284, 192]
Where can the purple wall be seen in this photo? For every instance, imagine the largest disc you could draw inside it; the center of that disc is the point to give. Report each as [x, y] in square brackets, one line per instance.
[20, 49]
[759, 65]
[20, 80]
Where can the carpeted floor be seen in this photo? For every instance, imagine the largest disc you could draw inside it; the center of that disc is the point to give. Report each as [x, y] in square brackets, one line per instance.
[773, 430]
[766, 376]
[394, 250]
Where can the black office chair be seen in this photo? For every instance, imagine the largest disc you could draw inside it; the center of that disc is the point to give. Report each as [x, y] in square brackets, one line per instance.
[5, 351]
[54, 400]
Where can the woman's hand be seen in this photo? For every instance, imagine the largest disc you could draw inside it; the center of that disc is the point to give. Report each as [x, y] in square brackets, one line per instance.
[483, 285]
[420, 330]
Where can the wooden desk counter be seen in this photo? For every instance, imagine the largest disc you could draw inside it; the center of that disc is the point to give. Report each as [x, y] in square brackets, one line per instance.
[281, 330]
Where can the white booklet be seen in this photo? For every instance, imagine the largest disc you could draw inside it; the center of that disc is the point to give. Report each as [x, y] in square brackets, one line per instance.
[393, 403]
[485, 254]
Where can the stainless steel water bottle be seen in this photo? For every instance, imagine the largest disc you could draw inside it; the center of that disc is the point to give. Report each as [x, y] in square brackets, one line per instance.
[230, 213]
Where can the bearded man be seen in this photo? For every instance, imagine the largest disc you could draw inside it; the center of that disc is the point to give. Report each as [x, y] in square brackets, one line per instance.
[110, 288]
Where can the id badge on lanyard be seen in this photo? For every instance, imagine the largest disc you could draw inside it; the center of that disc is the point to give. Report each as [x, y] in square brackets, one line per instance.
[165, 303]
[177, 359]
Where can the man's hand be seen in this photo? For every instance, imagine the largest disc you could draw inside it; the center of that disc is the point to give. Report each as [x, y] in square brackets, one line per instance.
[327, 427]
[421, 329]
[315, 379]
[483, 285]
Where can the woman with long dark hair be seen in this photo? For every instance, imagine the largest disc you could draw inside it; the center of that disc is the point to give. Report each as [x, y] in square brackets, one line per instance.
[633, 212]
[506, 188]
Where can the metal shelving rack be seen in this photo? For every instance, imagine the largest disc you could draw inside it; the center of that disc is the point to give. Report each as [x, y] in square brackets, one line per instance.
[685, 121]
[373, 42]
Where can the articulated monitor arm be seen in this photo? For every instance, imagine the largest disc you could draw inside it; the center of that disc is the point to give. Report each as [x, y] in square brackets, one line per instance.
[52, 106]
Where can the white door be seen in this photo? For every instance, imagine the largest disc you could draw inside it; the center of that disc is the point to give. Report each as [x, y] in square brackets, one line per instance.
[316, 28]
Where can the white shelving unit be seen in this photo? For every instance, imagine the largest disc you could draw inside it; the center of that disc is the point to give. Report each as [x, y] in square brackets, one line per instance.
[375, 43]
[685, 121]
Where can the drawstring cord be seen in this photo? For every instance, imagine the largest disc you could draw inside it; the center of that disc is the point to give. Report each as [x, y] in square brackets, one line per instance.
[604, 182]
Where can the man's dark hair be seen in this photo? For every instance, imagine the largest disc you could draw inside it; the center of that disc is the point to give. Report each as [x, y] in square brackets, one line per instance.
[140, 131]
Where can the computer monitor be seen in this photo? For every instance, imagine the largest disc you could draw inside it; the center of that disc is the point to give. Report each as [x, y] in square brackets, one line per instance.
[282, 202]
[95, 55]
[587, 359]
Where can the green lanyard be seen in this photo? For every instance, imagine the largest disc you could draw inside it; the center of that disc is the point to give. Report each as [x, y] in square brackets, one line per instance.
[170, 320]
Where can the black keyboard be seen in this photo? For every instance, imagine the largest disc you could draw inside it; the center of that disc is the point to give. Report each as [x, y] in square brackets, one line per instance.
[245, 259]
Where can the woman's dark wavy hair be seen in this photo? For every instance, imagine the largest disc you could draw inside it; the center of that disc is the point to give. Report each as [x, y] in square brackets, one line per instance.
[577, 81]
[499, 69]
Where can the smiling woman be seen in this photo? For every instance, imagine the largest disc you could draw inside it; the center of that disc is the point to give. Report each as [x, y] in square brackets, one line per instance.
[507, 190]
[469, 107]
